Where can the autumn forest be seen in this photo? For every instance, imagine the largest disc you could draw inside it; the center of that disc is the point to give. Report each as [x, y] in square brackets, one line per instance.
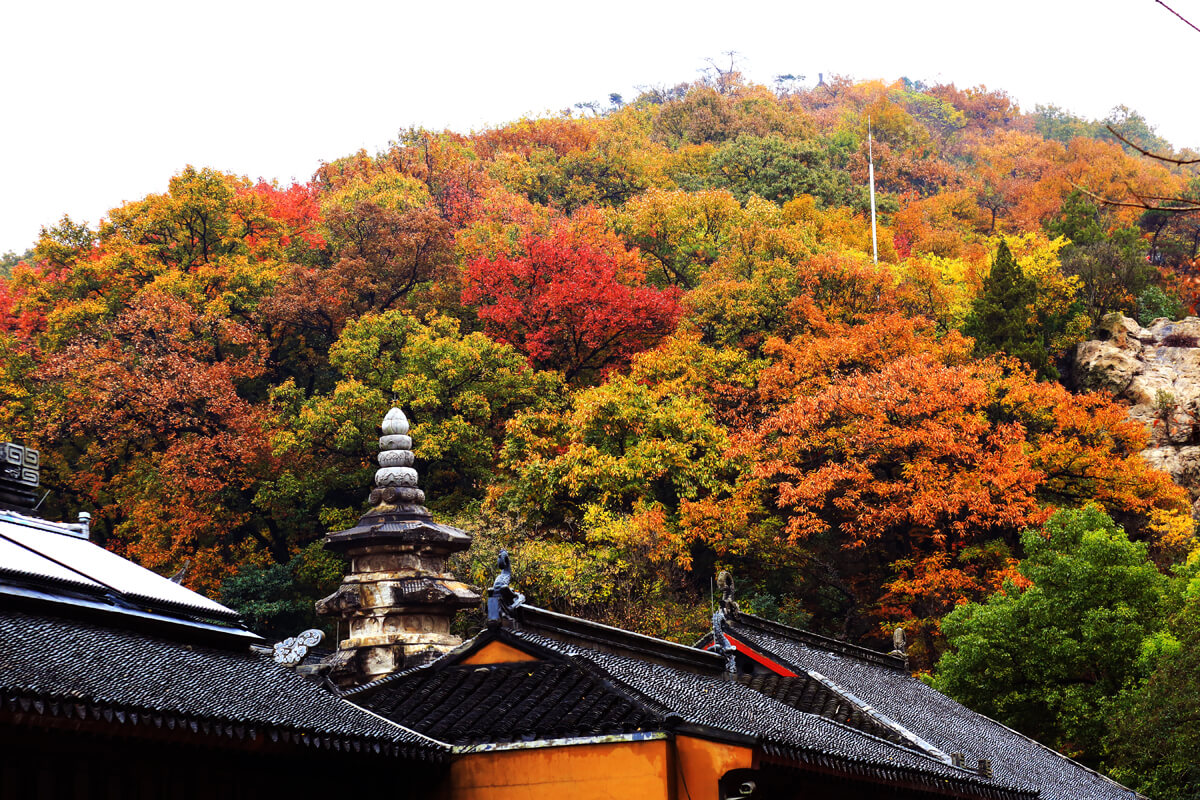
[643, 341]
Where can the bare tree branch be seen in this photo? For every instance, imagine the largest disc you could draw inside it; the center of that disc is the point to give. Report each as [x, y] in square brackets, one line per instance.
[1148, 154]
[1183, 203]
[1190, 208]
[1176, 13]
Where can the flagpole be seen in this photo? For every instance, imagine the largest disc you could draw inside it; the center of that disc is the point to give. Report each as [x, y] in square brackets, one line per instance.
[871, 172]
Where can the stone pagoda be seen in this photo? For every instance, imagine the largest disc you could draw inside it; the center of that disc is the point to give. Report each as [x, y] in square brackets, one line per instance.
[398, 600]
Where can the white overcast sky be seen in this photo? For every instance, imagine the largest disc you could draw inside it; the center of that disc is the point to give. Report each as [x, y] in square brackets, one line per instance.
[102, 101]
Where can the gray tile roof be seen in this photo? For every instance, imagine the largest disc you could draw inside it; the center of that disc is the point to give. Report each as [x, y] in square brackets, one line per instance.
[714, 701]
[946, 724]
[88, 670]
[472, 704]
[593, 679]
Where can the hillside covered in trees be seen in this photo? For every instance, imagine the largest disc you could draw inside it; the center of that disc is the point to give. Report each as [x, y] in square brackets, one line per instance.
[645, 342]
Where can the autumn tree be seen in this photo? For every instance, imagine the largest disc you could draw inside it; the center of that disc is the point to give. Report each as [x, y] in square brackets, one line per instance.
[149, 428]
[460, 389]
[780, 169]
[681, 234]
[1111, 264]
[606, 480]
[571, 304]
[901, 464]
[899, 487]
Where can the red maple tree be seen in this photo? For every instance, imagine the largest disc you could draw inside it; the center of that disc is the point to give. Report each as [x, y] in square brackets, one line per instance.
[570, 303]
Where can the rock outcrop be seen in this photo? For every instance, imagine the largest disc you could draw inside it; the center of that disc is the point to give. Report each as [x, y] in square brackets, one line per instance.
[1156, 370]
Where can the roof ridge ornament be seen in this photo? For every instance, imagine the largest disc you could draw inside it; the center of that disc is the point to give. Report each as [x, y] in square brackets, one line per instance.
[721, 645]
[900, 645]
[728, 604]
[727, 609]
[292, 650]
[396, 481]
[501, 597]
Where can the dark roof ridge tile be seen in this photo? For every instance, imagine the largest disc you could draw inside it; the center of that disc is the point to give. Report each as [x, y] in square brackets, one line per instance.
[628, 688]
[862, 764]
[617, 639]
[773, 628]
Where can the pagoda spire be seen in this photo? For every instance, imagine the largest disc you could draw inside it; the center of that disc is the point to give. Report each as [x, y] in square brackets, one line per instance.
[398, 600]
[396, 480]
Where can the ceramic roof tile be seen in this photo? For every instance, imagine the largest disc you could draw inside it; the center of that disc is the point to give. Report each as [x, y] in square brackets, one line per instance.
[715, 701]
[944, 723]
[52, 659]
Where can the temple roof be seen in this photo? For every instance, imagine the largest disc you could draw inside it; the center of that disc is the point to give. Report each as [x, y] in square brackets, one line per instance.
[70, 669]
[91, 641]
[939, 721]
[552, 697]
[54, 563]
[585, 679]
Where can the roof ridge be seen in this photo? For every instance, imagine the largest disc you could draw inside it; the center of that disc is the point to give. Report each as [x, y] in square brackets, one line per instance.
[543, 620]
[869, 724]
[99, 610]
[38, 523]
[818, 640]
[881, 718]
[393, 723]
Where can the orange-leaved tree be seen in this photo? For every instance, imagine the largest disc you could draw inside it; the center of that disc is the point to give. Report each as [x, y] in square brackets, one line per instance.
[902, 491]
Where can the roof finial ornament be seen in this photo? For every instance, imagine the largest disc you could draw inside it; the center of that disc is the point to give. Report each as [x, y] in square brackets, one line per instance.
[721, 645]
[183, 571]
[396, 480]
[900, 645]
[292, 650]
[728, 604]
[501, 598]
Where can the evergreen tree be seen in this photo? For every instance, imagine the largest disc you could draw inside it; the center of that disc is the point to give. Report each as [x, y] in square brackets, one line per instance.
[1001, 317]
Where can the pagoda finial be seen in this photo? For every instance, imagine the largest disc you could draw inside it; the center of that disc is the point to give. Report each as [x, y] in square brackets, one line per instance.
[396, 480]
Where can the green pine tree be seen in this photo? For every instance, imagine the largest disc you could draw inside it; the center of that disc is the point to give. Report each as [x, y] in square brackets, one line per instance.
[1001, 318]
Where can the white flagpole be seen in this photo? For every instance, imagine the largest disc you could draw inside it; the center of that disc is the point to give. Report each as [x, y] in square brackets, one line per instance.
[871, 172]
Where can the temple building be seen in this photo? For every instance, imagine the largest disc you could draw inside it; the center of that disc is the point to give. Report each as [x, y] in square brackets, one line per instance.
[116, 682]
[137, 680]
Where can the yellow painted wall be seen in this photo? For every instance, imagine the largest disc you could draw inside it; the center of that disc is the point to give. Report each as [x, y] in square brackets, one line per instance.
[701, 763]
[578, 772]
[498, 653]
[683, 769]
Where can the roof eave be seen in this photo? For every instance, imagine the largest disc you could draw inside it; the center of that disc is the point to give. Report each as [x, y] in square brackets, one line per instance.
[78, 713]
